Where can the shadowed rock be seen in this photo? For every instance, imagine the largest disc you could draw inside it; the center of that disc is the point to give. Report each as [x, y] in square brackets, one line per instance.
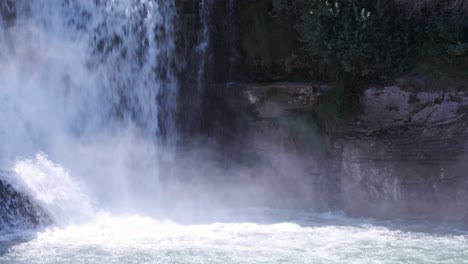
[18, 211]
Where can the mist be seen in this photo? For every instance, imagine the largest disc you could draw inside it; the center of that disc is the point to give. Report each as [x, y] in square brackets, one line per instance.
[88, 122]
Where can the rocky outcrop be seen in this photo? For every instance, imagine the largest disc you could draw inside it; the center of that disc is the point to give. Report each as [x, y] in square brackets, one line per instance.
[395, 111]
[280, 132]
[18, 211]
[405, 155]
[274, 99]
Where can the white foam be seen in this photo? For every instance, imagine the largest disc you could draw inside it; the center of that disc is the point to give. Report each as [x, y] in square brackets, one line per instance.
[136, 239]
[53, 189]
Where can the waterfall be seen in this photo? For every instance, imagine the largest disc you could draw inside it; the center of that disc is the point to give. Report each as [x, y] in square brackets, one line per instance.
[91, 86]
[231, 40]
[204, 11]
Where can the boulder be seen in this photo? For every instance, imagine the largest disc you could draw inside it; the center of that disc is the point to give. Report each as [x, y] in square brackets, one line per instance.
[18, 211]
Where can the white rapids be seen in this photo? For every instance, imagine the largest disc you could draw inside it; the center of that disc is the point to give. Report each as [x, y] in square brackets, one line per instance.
[264, 236]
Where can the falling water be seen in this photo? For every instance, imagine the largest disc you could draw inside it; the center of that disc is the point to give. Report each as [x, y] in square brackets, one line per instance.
[231, 38]
[91, 84]
[204, 10]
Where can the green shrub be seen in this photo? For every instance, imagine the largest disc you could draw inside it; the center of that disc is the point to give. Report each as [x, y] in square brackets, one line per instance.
[418, 7]
[443, 73]
[368, 39]
[255, 35]
[354, 42]
[265, 39]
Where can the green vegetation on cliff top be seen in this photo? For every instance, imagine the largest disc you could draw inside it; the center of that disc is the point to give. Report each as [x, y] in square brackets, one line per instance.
[356, 42]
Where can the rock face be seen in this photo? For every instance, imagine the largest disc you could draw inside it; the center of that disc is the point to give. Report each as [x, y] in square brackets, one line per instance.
[18, 211]
[280, 133]
[405, 156]
[273, 100]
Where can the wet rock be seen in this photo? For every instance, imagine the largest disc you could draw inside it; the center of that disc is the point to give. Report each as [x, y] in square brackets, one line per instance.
[404, 156]
[274, 99]
[18, 211]
[410, 160]
[289, 145]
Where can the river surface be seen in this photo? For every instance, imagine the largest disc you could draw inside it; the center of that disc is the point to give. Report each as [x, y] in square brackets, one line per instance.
[250, 236]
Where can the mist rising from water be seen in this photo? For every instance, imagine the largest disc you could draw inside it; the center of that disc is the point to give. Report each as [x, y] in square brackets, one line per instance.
[91, 85]
[88, 99]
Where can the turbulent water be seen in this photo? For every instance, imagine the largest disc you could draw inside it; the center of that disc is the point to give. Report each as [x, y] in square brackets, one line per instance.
[255, 236]
[87, 99]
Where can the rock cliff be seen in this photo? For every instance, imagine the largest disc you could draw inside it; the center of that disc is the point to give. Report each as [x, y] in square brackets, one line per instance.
[403, 156]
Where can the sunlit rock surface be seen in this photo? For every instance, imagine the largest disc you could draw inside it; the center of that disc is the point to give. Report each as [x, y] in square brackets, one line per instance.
[272, 100]
[405, 155]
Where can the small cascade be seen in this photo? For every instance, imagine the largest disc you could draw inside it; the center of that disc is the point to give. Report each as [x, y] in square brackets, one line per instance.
[205, 7]
[5, 9]
[231, 39]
